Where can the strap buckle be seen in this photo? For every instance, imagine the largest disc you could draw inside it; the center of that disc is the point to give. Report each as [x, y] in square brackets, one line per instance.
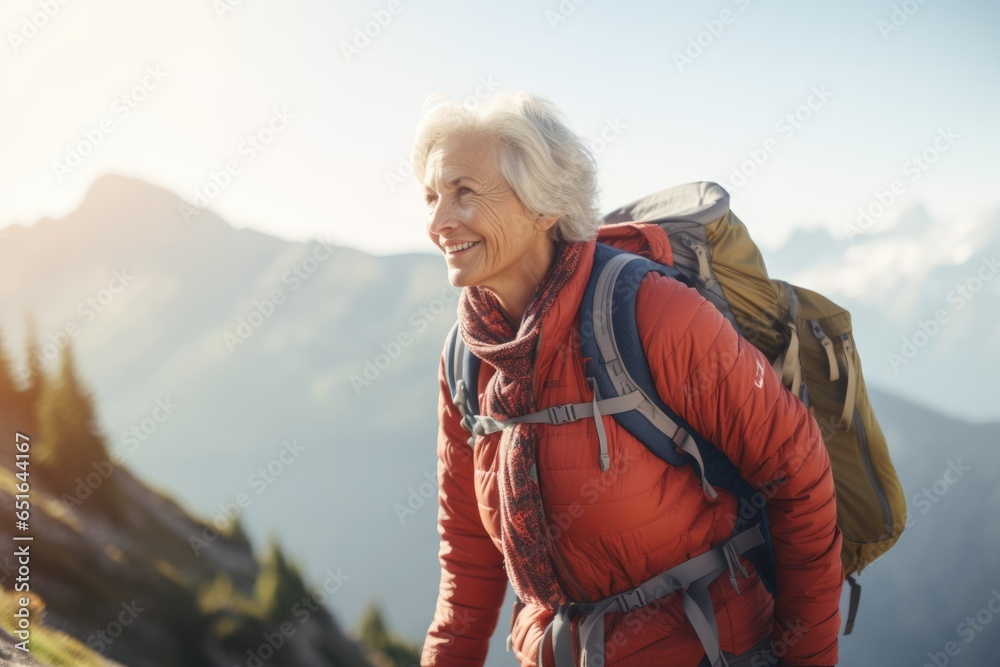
[483, 425]
[562, 414]
[469, 424]
[630, 600]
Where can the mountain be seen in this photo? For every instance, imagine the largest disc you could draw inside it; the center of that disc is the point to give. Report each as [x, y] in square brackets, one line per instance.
[212, 419]
[104, 570]
[293, 385]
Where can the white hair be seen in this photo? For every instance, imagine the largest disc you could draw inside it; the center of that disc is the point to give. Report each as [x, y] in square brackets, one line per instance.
[549, 167]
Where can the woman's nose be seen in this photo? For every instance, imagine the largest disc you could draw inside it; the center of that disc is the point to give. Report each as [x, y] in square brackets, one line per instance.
[440, 220]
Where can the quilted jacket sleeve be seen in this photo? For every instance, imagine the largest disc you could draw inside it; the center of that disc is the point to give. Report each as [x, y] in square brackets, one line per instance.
[724, 387]
[473, 581]
[527, 628]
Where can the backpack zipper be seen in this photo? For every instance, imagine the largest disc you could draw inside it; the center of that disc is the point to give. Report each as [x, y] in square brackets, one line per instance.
[701, 253]
[866, 458]
[864, 448]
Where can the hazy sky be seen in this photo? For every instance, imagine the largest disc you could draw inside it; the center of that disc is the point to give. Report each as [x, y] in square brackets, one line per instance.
[171, 92]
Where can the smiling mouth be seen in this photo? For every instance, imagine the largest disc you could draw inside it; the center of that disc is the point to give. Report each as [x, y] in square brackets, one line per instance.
[459, 248]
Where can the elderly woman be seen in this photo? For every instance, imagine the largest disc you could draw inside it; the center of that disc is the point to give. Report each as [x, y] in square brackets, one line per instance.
[512, 205]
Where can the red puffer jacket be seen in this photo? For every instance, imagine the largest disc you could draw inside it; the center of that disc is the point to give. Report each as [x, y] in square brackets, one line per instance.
[618, 528]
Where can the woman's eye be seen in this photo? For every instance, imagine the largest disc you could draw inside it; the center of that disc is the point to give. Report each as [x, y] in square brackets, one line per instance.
[464, 191]
[431, 200]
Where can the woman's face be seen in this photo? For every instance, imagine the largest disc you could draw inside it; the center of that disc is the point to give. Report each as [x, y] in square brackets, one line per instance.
[487, 236]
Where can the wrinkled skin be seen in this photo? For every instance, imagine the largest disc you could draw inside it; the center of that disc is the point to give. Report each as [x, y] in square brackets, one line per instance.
[469, 200]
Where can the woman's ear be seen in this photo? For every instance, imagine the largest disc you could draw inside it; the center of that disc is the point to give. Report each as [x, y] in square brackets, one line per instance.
[545, 222]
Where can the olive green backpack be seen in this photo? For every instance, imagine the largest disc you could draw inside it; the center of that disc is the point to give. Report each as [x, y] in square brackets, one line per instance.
[809, 341]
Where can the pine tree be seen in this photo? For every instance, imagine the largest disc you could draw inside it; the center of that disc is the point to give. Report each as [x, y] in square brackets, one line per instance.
[70, 452]
[377, 637]
[279, 585]
[10, 397]
[372, 628]
[14, 413]
[30, 375]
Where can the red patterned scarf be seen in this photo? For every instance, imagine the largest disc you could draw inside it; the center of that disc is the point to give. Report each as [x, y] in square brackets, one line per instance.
[524, 530]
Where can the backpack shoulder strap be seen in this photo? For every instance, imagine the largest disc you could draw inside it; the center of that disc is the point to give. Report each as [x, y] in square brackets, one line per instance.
[613, 354]
[461, 369]
[615, 358]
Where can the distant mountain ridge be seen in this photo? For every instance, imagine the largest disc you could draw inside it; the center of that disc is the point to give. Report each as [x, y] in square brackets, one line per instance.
[369, 448]
[894, 281]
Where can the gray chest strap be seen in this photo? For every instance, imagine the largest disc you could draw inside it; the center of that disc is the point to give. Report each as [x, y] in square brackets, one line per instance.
[571, 412]
[563, 414]
[692, 577]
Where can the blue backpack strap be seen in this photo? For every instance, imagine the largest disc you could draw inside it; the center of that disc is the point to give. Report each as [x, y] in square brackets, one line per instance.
[614, 357]
[461, 370]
